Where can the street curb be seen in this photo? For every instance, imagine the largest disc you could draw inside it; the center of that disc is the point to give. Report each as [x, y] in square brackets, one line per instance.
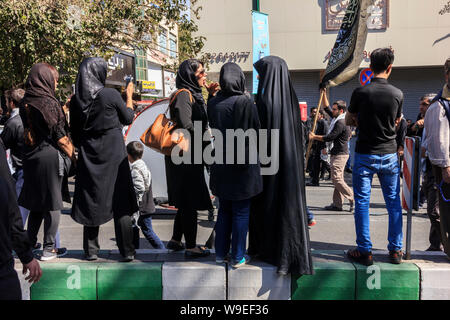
[425, 277]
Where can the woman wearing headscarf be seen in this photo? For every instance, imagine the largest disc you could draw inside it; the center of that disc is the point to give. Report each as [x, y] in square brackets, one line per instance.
[47, 149]
[103, 186]
[237, 182]
[186, 186]
[278, 219]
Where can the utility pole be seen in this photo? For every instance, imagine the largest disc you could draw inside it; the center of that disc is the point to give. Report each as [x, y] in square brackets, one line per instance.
[255, 5]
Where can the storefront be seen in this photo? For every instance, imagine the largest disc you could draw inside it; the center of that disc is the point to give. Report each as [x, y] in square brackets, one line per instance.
[303, 33]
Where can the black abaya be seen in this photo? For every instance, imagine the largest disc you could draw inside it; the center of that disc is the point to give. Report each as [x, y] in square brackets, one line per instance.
[278, 221]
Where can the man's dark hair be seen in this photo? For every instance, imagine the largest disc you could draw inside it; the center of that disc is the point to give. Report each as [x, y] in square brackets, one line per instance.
[135, 149]
[341, 104]
[312, 108]
[16, 95]
[380, 59]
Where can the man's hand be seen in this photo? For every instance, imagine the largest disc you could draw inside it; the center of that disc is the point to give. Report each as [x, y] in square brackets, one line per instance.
[419, 124]
[35, 271]
[311, 136]
[446, 174]
[400, 151]
[212, 88]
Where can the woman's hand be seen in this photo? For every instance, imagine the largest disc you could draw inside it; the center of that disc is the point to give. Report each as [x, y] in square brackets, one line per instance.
[212, 88]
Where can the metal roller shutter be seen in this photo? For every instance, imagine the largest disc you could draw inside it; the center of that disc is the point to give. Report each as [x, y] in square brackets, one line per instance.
[414, 83]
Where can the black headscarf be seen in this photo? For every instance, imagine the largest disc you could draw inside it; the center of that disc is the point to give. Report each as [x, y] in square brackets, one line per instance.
[90, 81]
[278, 231]
[232, 79]
[186, 79]
[40, 94]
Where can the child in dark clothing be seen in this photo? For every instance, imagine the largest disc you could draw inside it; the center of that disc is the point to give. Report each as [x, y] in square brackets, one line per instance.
[143, 188]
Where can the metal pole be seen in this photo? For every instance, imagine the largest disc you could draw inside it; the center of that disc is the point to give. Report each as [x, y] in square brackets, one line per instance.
[408, 235]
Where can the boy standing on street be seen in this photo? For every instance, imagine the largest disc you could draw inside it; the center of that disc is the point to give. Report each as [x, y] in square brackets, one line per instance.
[142, 186]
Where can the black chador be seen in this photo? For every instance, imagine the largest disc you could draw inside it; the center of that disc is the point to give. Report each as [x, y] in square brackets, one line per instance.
[278, 222]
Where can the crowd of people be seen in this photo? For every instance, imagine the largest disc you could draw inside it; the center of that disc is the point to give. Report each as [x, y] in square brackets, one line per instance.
[112, 182]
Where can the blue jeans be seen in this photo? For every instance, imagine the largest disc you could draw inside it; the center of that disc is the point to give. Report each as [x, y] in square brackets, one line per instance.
[232, 228]
[145, 223]
[387, 168]
[309, 214]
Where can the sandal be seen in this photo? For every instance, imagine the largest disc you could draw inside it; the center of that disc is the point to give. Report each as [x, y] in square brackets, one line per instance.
[175, 246]
[194, 254]
[359, 257]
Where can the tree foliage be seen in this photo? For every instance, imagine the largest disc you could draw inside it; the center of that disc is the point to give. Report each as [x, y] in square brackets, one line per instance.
[445, 9]
[63, 32]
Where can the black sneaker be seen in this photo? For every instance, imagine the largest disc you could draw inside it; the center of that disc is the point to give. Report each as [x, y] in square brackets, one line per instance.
[332, 208]
[60, 252]
[127, 259]
[359, 257]
[396, 256]
[91, 257]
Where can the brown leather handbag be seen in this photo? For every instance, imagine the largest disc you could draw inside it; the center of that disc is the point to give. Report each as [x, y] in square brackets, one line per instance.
[161, 136]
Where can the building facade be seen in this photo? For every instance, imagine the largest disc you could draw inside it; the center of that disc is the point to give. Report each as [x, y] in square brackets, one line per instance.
[303, 33]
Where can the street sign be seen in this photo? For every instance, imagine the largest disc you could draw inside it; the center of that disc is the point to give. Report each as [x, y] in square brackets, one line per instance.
[365, 77]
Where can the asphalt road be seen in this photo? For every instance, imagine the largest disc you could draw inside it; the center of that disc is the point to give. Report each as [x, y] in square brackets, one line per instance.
[333, 231]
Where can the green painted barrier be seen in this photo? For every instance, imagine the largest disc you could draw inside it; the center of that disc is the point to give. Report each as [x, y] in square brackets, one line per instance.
[66, 281]
[129, 281]
[386, 281]
[334, 279]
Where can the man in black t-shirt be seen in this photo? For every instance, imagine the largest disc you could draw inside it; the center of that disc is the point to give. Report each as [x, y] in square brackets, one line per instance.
[376, 109]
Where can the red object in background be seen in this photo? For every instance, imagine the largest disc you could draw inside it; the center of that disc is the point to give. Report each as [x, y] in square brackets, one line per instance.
[303, 110]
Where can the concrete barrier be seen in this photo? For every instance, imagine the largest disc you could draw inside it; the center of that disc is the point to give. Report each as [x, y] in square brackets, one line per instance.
[129, 281]
[258, 281]
[334, 278]
[24, 285]
[66, 281]
[434, 281]
[386, 281]
[193, 281]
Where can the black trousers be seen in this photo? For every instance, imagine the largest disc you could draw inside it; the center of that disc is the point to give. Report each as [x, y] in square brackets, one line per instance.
[324, 167]
[315, 166]
[51, 224]
[186, 224]
[9, 282]
[124, 237]
[432, 195]
[444, 210]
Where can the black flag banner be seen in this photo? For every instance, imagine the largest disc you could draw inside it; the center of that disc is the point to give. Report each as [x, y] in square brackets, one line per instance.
[346, 55]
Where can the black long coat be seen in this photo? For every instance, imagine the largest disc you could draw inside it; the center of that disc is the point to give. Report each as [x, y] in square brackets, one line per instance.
[103, 183]
[186, 185]
[234, 181]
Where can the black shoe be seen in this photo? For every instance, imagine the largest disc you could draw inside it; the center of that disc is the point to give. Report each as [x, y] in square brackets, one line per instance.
[350, 209]
[175, 246]
[432, 248]
[332, 208]
[194, 254]
[310, 184]
[91, 257]
[359, 257]
[127, 259]
[395, 257]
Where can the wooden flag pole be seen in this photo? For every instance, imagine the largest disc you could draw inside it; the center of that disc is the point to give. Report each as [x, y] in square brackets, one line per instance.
[308, 151]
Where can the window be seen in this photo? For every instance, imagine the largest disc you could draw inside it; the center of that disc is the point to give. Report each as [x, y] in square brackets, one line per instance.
[163, 40]
[141, 65]
[173, 46]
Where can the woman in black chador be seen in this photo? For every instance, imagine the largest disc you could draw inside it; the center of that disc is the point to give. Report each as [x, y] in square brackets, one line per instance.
[186, 186]
[278, 222]
[103, 185]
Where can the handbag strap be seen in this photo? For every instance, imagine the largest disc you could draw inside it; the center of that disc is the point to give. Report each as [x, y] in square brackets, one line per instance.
[175, 95]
